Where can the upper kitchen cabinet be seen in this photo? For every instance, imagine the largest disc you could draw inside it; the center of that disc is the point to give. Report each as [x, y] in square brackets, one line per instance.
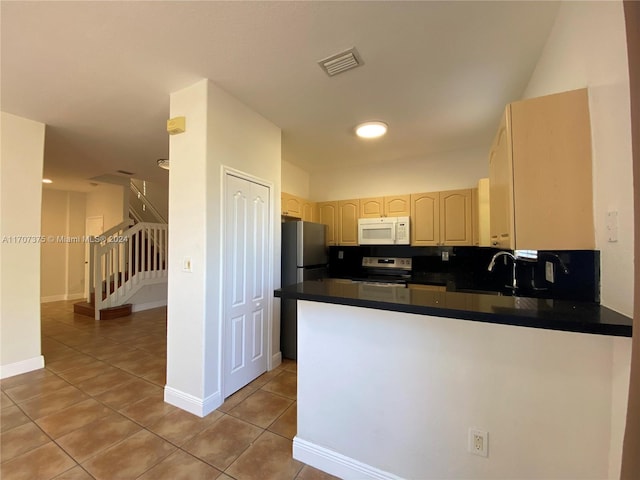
[291, 205]
[540, 175]
[394, 206]
[309, 211]
[425, 219]
[348, 211]
[455, 218]
[297, 207]
[441, 218]
[328, 214]
[480, 214]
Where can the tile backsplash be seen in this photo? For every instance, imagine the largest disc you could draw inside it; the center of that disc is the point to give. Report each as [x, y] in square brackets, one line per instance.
[575, 274]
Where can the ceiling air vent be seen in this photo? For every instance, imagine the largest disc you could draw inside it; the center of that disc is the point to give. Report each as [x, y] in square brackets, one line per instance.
[341, 62]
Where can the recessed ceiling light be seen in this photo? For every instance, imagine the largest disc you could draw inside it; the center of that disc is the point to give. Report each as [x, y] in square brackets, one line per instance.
[371, 129]
[47, 180]
[163, 163]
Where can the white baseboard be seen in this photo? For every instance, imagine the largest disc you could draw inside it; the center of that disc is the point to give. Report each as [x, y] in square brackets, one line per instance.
[22, 366]
[276, 360]
[138, 307]
[64, 296]
[335, 463]
[76, 296]
[191, 403]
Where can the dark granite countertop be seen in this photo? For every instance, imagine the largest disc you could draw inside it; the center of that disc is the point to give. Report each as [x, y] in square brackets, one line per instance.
[548, 314]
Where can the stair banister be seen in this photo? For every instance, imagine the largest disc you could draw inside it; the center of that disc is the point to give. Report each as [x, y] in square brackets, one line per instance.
[123, 265]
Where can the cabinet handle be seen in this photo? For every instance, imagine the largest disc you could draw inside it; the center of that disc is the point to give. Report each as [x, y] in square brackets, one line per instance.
[496, 243]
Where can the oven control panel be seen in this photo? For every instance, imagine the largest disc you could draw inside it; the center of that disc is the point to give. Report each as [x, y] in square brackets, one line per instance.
[387, 262]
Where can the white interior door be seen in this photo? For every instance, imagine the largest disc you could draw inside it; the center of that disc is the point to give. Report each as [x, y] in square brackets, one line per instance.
[93, 226]
[245, 282]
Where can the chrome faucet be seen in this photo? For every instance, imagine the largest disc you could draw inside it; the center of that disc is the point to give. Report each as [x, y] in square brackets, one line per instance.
[513, 258]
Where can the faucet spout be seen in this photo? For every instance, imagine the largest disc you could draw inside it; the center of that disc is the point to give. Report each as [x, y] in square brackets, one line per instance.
[492, 264]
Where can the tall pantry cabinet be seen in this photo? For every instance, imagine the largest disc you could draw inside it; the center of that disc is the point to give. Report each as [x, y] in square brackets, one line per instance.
[540, 175]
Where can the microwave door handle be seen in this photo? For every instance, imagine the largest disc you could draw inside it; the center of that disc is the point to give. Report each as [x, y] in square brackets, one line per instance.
[393, 232]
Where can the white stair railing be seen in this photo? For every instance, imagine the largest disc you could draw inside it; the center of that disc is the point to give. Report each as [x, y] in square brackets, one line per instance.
[125, 260]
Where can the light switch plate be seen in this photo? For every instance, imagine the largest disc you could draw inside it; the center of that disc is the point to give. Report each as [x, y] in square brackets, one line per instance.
[186, 264]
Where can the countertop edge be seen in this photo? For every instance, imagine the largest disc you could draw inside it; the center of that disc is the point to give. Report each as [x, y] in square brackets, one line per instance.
[522, 318]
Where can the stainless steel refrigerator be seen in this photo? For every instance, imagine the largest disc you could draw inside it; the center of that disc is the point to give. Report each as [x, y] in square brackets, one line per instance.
[304, 257]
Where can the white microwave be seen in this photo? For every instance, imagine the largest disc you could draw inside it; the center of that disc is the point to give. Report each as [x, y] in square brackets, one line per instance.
[384, 231]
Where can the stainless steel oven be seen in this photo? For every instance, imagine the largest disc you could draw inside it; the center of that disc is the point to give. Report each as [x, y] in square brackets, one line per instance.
[391, 271]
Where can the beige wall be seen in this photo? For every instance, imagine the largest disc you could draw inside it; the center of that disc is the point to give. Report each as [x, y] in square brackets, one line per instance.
[443, 171]
[62, 257]
[631, 459]
[109, 201]
[295, 180]
[399, 392]
[21, 159]
[221, 131]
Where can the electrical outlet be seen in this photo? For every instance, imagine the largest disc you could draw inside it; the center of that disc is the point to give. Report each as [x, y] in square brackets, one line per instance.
[445, 256]
[549, 274]
[479, 442]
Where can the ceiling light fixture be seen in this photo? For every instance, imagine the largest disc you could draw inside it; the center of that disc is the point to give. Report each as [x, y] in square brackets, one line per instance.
[163, 163]
[47, 180]
[371, 129]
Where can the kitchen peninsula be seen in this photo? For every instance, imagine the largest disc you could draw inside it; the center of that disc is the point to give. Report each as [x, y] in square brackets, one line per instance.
[389, 384]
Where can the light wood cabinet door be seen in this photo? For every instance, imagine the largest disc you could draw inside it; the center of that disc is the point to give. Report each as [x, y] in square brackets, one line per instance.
[328, 215]
[309, 211]
[371, 207]
[429, 288]
[501, 186]
[540, 173]
[291, 205]
[348, 211]
[481, 230]
[397, 206]
[425, 219]
[455, 218]
[552, 172]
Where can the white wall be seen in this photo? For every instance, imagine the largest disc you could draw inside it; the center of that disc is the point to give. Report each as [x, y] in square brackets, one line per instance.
[110, 202]
[295, 180]
[443, 171]
[587, 48]
[62, 263]
[402, 390]
[220, 131]
[21, 159]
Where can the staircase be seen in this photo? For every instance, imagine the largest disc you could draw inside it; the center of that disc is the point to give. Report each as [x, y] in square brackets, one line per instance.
[124, 260]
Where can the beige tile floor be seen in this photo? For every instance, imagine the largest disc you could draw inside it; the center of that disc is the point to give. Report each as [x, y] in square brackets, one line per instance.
[97, 411]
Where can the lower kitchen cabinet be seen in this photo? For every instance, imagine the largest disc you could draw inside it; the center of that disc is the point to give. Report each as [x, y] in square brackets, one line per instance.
[430, 288]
